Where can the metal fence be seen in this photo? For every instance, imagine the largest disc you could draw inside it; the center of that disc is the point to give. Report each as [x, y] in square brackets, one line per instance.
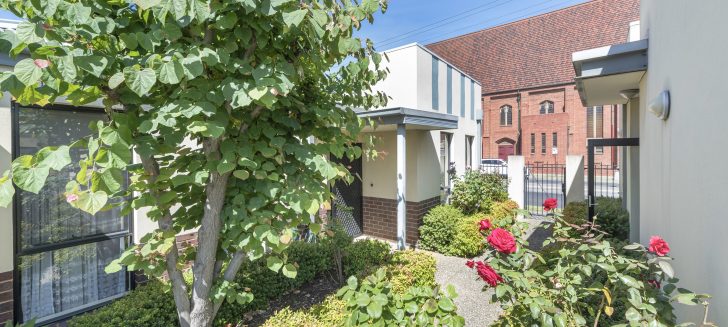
[606, 178]
[501, 170]
[543, 181]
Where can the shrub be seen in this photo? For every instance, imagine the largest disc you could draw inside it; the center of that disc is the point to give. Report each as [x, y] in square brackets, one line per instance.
[467, 241]
[504, 210]
[363, 257]
[475, 191]
[265, 284]
[372, 302]
[438, 228]
[147, 305]
[411, 268]
[330, 313]
[584, 281]
[610, 216]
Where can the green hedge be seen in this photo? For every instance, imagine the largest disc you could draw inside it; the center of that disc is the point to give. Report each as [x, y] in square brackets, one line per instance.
[446, 230]
[150, 305]
[438, 228]
[407, 269]
[467, 241]
[475, 191]
[362, 257]
[411, 268]
[611, 217]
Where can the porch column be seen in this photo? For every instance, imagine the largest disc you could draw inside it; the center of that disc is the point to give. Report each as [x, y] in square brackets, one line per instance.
[401, 187]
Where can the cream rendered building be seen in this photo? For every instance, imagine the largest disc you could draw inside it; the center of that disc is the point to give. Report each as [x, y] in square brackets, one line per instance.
[673, 81]
[430, 124]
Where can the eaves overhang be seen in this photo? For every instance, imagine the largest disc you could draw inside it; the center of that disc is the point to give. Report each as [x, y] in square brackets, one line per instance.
[413, 118]
[611, 74]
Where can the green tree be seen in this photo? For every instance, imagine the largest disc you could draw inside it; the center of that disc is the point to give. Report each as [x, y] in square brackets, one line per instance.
[221, 101]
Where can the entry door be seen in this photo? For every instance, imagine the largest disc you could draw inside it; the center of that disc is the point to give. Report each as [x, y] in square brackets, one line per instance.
[347, 203]
[505, 150]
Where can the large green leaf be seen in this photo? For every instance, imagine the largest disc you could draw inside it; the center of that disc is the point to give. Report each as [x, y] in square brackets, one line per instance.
[290, 271]
[274, 263]
[28, 32]
[94, 65]
[27, 71]
[66, 67]
[91, 202]
[54, 157]
[6, 191]
[171, 72]
[294, 18]
[139, 81]
[30, 179]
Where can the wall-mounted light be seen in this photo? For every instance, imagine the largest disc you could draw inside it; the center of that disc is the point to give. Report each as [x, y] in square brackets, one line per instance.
[660, 106]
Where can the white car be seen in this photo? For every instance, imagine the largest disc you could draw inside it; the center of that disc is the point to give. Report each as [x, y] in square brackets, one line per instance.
[494, 166]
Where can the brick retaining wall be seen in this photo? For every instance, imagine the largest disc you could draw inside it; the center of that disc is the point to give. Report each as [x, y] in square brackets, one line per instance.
[380, 217]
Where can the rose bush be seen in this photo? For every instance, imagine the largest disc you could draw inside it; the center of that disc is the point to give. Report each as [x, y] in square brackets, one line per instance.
[581, 280]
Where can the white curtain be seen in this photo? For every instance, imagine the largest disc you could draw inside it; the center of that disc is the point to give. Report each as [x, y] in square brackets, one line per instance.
[64, 279]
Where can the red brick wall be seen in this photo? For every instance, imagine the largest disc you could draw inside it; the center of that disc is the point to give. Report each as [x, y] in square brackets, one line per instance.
[6, 297]
[380, 217]
[568, 121]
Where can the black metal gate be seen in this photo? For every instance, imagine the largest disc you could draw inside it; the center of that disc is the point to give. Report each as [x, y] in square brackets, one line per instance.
[591, 169]
[347, 201]
[543, 181]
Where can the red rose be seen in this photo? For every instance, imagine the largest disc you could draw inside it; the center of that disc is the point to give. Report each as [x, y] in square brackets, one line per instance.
[485, 224]
[470, 263]
[488, 274]
[502, 240]
[550, 204]
[658, 246]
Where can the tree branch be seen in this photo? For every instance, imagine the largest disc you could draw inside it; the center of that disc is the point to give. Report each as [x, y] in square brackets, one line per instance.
[179, 288]
[230, 272]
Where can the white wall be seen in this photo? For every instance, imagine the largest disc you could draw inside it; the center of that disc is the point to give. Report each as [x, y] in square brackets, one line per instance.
[409, 85]
[683, 174]
[6, 214]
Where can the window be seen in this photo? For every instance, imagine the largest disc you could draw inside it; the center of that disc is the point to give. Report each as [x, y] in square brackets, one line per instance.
[594, 122]
[543, 143]
[435, 84]
[533, 143]
[472, 99]
[445, 159]
[449, 89]
[555, 139]
[547, 107]
[594, 125]
[506, 115]
[468, 152]
[462, 95]
[62, 251]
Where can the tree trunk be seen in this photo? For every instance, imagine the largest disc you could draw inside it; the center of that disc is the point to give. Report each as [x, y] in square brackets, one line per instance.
[179, 288]
[208, 235]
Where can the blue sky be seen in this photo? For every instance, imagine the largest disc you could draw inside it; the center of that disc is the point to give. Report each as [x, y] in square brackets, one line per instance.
[427, 21]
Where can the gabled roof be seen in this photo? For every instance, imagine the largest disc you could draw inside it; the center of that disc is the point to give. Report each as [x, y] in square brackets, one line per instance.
[536, 51]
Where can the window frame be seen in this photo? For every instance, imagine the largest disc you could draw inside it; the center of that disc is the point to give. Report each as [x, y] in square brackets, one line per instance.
[543, 143]
[546, 107]
[554, 139]
[124, 236]
[506, 115]
[533, 143]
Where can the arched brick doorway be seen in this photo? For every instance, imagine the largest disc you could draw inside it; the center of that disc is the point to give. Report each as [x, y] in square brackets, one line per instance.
[506, 148]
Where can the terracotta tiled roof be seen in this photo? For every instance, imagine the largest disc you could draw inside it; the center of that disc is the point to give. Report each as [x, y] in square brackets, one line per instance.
[536, 51]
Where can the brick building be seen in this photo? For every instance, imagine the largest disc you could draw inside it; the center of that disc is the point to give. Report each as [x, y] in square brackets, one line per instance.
[530, 102]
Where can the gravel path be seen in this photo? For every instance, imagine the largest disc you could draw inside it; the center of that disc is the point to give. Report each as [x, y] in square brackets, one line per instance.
[474, 304]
